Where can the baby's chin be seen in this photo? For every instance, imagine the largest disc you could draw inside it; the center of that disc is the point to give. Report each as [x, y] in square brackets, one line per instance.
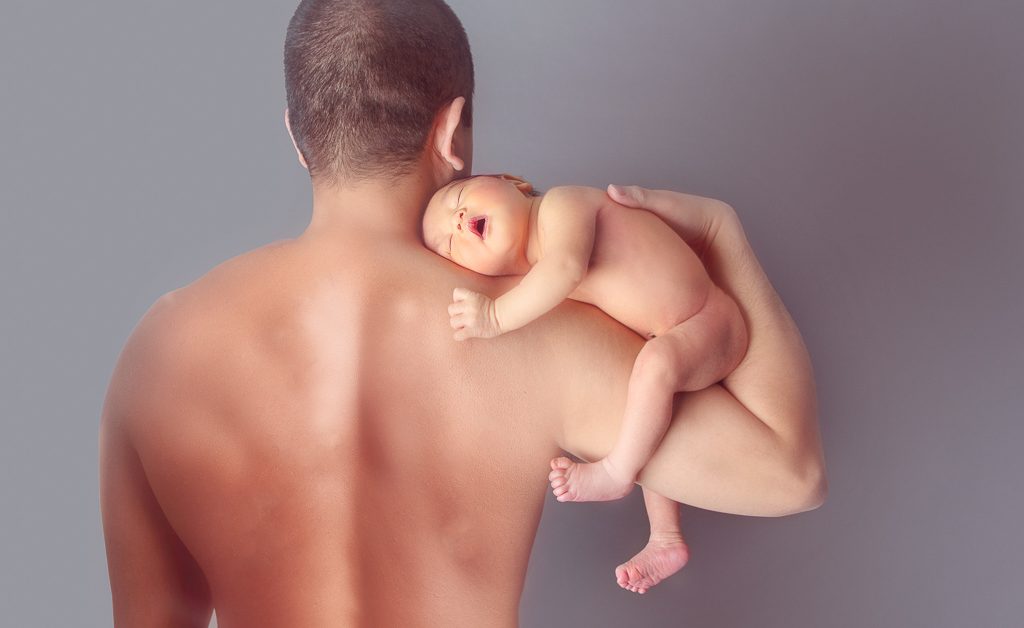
[490, 270]
[495, 269]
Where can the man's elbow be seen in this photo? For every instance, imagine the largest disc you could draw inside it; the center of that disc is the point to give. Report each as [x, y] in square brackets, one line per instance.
[810, 487]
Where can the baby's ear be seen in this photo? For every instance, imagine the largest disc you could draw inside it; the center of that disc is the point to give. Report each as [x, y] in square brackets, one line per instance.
[522, 185]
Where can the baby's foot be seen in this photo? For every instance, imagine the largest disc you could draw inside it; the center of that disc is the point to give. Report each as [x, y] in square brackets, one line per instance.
[665, 554]
[587, 482]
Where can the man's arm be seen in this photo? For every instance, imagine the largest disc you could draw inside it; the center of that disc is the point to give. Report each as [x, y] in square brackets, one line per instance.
[154, 580]
[747, 446]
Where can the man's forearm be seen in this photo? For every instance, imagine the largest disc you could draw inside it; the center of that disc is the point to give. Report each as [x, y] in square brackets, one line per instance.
[716, 455]
[749, 445]
[764, 450]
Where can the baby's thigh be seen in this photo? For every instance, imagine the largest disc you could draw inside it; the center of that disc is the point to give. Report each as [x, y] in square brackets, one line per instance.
[704, 348]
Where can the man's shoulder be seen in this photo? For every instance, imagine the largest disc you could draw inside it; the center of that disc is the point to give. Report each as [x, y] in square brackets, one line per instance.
[192, 331]
[245, 273]
[157, 359]
[233, 296]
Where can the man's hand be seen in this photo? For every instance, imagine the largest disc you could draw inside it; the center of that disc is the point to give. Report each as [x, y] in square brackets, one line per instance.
[473, 315]
[695, 218]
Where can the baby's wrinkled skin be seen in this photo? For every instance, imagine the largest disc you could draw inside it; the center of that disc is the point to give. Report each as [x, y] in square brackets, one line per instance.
[574, 242]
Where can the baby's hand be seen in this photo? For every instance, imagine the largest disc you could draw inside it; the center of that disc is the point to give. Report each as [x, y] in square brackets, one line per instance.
[473, 315]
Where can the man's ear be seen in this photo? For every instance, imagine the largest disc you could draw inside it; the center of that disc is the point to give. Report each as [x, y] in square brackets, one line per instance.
[521, 184]
[444, 134]
[288, 125]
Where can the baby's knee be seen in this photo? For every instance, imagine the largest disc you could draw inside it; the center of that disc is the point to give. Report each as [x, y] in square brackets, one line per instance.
[657, 364]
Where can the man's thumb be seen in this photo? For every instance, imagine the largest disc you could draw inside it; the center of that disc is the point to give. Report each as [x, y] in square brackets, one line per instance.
[628, 195]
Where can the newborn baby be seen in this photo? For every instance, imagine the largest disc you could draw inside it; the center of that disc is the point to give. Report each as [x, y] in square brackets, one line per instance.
[575, 242]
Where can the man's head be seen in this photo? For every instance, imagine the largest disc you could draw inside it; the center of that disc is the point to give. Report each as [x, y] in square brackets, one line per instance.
[369, 81]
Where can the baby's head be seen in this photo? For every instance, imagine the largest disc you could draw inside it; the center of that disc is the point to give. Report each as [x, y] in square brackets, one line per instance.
[481, 223]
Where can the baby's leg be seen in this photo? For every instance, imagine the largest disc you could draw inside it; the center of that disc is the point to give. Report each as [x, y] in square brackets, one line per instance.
[711, 343]
[692, 355]
[665, 552]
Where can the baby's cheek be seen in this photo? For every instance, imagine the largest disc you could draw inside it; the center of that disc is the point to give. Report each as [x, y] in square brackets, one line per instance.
[473, 261]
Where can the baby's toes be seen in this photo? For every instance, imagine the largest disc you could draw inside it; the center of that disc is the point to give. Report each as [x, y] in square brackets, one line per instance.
[621, 577]
[561, 462]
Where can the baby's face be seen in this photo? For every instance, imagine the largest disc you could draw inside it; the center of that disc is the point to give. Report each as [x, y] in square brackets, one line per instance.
[479, 223]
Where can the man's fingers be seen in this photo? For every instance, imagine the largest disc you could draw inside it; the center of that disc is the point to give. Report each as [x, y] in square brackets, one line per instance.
[624, 194]
[636, 196]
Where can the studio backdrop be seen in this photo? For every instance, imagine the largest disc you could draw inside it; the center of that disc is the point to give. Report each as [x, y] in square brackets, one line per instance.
[874, 151]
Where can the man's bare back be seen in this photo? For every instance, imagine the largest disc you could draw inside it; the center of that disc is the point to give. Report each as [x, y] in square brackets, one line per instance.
[315, 439]
[296, 439]
[325, 451]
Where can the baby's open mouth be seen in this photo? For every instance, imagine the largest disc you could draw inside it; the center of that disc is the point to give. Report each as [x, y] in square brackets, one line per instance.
[478, 225]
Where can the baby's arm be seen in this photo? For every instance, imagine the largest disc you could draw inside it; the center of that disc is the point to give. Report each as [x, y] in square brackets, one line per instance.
[565, 234]
[566, 221]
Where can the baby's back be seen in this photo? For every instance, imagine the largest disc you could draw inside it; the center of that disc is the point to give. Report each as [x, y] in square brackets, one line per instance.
[641, 272]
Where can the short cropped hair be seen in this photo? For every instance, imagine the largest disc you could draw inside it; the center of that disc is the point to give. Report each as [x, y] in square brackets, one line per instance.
[365, 80]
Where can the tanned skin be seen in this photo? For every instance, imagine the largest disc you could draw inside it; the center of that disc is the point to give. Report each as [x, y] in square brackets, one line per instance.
[296, 438]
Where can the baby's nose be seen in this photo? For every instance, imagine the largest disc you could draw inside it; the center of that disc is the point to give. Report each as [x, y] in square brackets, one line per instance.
[457, 218]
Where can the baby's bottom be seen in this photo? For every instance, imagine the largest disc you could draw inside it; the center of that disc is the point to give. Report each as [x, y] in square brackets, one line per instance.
[699, 351]
[694, 354]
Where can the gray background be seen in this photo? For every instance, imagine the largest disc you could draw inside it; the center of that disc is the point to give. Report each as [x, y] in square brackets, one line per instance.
[874, 151]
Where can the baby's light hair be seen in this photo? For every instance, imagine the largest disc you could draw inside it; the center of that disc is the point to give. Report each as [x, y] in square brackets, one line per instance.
[533, 192]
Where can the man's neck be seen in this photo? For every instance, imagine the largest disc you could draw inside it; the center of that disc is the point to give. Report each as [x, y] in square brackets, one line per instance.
[391, 208]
